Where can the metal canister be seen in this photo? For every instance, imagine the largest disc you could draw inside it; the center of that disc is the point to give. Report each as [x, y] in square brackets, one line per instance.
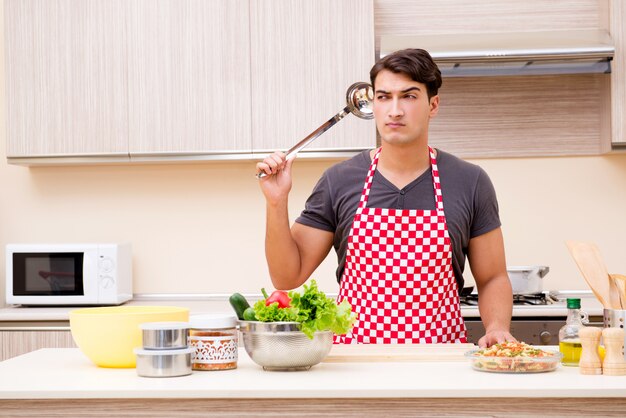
[163, 363]
[214, 339]
[615, 318]
[164, 335]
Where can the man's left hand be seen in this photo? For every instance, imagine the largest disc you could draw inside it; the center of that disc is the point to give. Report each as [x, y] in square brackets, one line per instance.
[494, 337]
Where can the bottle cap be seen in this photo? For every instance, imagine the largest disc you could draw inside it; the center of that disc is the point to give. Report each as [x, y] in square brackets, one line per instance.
[573, 303]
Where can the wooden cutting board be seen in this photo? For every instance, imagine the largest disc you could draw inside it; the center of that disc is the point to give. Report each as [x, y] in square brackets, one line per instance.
[359, 353]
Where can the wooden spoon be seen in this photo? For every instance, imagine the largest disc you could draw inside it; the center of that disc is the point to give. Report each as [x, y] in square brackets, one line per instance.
[620, 282]
[589, 262]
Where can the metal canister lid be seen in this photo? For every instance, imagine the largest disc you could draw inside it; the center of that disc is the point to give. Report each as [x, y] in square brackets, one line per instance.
[166, 352]
[213, 321]
[162, 326]
[573, 303]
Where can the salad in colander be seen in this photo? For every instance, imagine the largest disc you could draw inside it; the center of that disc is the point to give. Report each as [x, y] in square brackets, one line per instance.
[312, 309]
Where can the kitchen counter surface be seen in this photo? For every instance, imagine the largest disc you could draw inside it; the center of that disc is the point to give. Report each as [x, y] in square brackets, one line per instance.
[57, 374]
[199, 305]
[67, 373]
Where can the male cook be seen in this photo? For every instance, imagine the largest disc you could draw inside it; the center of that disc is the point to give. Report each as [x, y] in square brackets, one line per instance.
[402, 219]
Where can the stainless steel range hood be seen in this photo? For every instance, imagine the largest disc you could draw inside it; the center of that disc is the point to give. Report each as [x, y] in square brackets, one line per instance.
[532, 53]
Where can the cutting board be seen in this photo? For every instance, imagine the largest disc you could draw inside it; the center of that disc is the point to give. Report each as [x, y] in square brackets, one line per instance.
[359, 353]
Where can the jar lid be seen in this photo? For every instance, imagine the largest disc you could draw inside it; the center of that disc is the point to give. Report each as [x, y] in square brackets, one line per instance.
[573, 303]
[158, 326]
[213, 321]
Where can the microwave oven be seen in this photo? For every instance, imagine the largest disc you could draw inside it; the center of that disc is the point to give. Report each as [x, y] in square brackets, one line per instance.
[68, 274]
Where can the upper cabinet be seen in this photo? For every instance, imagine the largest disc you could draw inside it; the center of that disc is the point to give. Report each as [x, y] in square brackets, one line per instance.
[181, 79]
[305, 55]
[617, 13]
[189, 76]
[66, 78]
[156, 80]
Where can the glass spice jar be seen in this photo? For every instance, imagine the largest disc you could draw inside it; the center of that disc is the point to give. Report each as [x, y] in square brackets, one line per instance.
[214, 340]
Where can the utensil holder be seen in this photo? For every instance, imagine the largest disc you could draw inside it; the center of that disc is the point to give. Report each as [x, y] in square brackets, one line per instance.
[616, 318]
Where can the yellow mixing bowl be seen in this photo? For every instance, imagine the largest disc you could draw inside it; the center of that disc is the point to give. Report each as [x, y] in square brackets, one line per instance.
[108, 335]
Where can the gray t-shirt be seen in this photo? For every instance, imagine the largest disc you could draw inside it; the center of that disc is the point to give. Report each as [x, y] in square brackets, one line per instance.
[469, 202]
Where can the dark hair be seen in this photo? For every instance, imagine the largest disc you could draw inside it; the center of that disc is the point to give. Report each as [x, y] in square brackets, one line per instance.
[416, 63]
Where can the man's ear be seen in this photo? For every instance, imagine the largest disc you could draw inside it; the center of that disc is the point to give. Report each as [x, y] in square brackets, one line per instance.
[434, 106]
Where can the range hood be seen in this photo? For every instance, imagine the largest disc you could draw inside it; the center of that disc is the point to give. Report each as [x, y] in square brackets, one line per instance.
[527, 53]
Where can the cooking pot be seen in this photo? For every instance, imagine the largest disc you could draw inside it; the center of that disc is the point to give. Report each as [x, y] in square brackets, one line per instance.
[527, 280]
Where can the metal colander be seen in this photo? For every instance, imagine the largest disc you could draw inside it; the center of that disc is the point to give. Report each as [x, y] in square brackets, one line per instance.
[282, 346]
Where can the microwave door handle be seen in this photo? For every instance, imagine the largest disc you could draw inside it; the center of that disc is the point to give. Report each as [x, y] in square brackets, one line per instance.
[46, 274]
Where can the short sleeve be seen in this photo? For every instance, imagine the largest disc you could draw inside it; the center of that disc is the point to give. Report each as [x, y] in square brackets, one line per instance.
[486, 213]
[318, 209]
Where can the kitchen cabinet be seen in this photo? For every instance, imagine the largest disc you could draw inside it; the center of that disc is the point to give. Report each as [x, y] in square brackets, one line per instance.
[170, 79]
[15, 341]
[66, 78]
[304, 57]
[617, 14]
[189, 77]
[237, 77]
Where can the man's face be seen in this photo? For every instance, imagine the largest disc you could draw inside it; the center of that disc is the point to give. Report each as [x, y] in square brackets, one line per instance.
[401, 108]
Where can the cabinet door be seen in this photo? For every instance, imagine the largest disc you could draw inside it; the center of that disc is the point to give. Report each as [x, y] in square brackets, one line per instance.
[304, 57]
[16, 342]
[617, 27]
[189, 76]
[66, 77]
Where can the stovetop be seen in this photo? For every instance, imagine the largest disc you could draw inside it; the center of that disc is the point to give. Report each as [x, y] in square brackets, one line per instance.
[543, 298]
[545, 304]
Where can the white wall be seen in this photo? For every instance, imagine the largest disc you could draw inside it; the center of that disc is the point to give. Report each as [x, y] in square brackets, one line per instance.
[200, 228]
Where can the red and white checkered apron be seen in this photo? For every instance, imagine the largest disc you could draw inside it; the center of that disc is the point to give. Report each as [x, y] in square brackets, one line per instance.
[398, 274]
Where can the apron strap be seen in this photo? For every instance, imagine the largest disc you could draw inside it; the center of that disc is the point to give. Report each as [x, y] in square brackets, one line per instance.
[368, 180]
[436, 182]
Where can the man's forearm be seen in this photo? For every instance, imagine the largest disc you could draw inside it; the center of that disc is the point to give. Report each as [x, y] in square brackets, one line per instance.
[495, 304]
[281, 250]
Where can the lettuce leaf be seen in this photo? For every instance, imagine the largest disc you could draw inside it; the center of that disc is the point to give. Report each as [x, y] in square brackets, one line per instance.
[312, 309]
[273, 313]
[317, 312]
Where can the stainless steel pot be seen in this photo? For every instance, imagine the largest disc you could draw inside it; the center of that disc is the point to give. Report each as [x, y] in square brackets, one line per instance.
[527, 280]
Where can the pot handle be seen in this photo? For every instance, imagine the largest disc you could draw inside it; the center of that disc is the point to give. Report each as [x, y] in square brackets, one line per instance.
[542, 271]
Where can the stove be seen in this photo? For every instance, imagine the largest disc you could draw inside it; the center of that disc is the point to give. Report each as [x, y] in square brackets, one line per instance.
[537, 318]
[543, 298]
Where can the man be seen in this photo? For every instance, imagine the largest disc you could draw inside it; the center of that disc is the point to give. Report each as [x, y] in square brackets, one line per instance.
[401, 255]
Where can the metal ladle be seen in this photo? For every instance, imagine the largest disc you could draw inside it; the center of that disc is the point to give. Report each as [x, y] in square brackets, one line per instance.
[359, 98]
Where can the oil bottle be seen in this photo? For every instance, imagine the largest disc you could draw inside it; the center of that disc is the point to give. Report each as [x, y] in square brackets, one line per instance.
[569, 340]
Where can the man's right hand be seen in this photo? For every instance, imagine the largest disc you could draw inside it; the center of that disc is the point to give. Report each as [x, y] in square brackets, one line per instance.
[276, 184]
[292, 253]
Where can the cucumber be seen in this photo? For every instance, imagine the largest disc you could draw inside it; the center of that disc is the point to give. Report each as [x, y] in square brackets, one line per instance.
[249, 315]
[239, 304]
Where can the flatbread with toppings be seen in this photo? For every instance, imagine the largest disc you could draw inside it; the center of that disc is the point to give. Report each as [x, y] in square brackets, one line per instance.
[513, 349]
[514, 357]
